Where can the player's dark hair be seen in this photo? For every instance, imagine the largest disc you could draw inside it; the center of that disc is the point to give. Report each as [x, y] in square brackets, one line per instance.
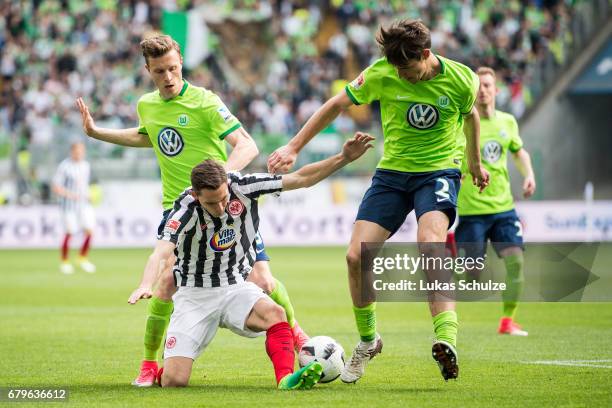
[209, 175]
[404, 41]
[158, 46]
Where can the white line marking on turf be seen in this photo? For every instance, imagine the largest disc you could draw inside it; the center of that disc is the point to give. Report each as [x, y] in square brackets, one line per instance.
[585, 361]
[573, 363]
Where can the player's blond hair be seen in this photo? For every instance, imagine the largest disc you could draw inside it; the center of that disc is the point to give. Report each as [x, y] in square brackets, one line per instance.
[158, 46]
[486, 71]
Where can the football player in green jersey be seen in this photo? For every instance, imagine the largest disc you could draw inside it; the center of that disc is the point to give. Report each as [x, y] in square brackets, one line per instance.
[491, 215]
[426, 103]
[184, 124]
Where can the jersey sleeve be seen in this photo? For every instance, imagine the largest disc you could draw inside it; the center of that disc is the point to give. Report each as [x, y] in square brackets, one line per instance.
[469, 97]
[366, 88]
[141, 128]
[220, 119]
[516, 143]
[255, 184]
[181, 219]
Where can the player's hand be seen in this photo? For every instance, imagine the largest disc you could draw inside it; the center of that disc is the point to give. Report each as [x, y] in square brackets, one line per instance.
[69, 195]
[89, 125]
[480, 177]
[140, 293]
[529, 186]
[356, 146]
[282, 160]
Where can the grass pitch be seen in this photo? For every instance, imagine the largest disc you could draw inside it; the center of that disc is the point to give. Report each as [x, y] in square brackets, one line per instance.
[79, 332]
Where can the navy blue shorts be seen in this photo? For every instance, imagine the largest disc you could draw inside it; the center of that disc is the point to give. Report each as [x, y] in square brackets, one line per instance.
[260, 248]
[503, 230]
[393, 194]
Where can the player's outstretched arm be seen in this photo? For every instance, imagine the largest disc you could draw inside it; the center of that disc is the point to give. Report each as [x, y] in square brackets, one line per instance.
[283, 158]
[311, 174]
[244, 150]
[124, 137]
[158, 261]
[522, 159]
[480, 176]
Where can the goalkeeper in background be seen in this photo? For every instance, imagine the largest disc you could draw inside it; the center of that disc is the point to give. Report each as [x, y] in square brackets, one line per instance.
[490, 214]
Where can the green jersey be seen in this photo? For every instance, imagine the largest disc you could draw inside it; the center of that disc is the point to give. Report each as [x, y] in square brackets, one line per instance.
[422, 123]
[498, 135]
[184, 131]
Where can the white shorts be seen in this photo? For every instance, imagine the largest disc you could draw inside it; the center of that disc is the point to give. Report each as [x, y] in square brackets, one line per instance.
[198, 312]
[76, 220]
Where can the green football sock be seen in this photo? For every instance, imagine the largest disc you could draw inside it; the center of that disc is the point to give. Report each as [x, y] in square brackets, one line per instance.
[514, 283]
[365, 317]
[280, 296]
[445, 326]
[157, 321]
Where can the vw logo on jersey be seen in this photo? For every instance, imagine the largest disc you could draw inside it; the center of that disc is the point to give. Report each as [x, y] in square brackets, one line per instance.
[491, 152]
[223, 239]
[422, 116]
[170, 141]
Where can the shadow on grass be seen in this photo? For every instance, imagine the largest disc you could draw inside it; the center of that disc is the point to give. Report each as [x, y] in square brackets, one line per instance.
[106, 388]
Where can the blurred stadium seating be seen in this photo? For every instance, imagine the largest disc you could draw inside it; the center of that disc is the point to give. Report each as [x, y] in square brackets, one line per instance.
[272, 62]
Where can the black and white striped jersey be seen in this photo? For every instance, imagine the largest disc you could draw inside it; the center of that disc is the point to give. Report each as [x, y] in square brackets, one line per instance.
[73, 176]
[211, 251]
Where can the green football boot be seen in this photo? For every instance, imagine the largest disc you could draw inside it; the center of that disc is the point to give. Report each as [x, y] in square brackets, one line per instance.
[303, 379]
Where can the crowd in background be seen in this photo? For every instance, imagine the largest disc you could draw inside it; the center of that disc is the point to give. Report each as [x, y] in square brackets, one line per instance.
[510, 36]
[54, 50]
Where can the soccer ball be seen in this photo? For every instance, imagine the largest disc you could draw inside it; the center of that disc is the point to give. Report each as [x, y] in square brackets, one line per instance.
[328, 352]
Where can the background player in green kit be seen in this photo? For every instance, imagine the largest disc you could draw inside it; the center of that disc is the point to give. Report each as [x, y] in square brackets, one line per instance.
[184, 124]
[426, 103]
[491, 215]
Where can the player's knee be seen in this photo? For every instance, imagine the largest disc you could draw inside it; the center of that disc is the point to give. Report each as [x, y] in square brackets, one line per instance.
[430, 235]
[432, 249]
[174, 379]
[353, 259]
[432, 227]
[276, 314]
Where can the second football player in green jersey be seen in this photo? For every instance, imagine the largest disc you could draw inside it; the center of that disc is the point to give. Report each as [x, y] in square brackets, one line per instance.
[490, 215]
[422, 122]
[498, 135]
[426, 103]
[192, 126]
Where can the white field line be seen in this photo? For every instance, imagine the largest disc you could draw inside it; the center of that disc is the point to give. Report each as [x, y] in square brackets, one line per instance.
[573, 363]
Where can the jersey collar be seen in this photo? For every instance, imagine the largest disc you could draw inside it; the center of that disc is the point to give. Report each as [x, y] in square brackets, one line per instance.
[183, 90]
[442, 65]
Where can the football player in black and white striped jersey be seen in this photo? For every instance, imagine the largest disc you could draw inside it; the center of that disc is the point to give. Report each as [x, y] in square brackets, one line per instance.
[71, 185]
[211, 230]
